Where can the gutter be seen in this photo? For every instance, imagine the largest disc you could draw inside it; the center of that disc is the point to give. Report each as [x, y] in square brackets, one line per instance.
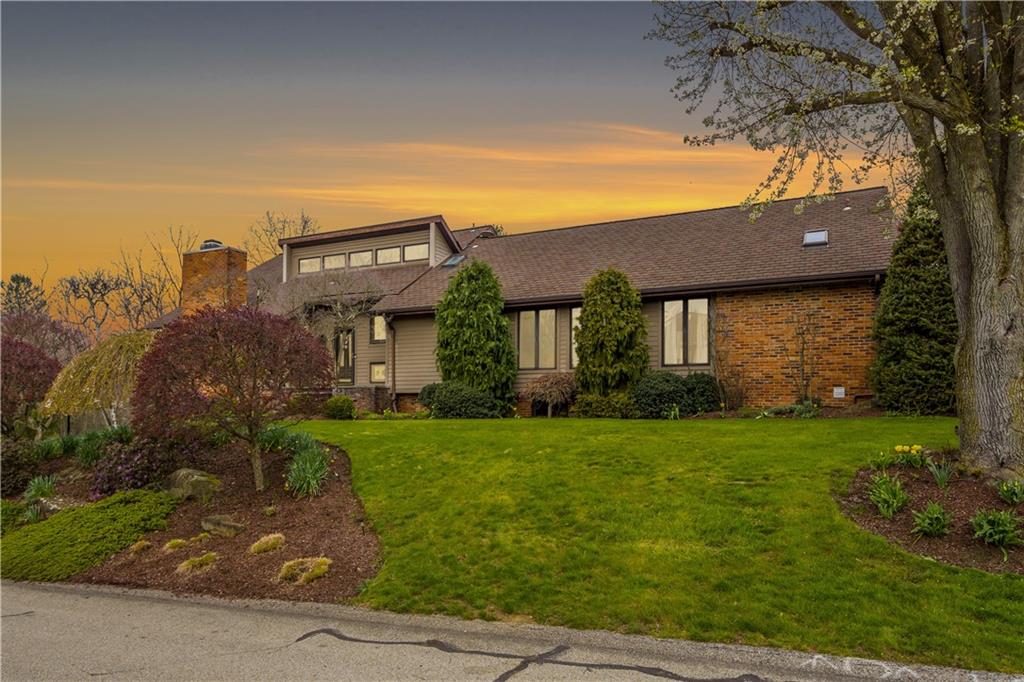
[874, 276]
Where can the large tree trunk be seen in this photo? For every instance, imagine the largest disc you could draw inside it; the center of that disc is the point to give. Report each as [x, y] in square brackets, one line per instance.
[984, 241]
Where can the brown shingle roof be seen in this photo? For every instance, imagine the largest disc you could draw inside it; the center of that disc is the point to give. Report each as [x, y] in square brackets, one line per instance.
[696, 251]
[263, 284]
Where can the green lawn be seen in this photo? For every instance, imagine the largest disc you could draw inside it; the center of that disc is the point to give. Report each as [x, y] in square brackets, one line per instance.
[700, 529]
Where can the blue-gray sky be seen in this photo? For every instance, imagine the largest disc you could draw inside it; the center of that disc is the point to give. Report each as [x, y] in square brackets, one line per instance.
[123, 118]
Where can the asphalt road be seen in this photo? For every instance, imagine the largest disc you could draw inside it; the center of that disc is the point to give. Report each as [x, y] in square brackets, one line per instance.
[63, 632]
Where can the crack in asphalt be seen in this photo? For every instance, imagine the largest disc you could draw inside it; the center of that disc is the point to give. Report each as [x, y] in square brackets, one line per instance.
[12, 615]
[524, 662]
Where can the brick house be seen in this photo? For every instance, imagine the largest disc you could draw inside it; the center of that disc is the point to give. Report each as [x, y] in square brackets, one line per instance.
[720, 294]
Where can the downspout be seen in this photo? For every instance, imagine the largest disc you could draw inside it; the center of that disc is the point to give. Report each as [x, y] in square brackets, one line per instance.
[389, 319]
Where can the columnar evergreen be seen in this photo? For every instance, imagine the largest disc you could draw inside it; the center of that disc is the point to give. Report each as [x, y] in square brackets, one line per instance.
[611, 341]
[474, 341]
[915, 327]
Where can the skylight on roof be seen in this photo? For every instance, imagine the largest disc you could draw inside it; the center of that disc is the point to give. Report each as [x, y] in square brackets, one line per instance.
[453, 260]
[816, 238]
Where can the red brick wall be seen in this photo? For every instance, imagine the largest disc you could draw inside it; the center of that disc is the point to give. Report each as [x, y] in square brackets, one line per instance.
[756, 332]
[215, 277]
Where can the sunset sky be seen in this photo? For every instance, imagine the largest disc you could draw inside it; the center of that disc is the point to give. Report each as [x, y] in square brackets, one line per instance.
[122, 119]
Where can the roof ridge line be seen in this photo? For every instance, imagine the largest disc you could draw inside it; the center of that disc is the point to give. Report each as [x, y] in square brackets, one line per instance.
[678, 213]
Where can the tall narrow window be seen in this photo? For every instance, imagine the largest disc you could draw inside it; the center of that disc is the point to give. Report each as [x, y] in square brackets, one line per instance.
[537, 339]
[378, 329]
[528, 339]
[697, 331]
[672, 333]
[574, 323]
[685, 338]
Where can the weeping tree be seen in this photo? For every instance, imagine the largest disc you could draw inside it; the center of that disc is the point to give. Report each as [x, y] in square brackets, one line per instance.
[101, 378]
[474, 342]
[934, 89]
[611, 341]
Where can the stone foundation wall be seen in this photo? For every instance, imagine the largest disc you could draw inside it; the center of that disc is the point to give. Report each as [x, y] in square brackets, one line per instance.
[371, 398]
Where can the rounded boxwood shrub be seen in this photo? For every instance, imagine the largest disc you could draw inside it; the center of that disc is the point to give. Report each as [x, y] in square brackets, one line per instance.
[701, 394]
[454, 400]
[426, 396]
[615, 405]
[339, 407]
[657, 393]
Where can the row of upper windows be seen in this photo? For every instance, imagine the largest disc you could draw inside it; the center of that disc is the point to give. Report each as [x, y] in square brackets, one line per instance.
[363, 259]
[685, 338]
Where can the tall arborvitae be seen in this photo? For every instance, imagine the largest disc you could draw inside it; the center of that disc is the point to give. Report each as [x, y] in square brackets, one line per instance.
[474, 342]
[611, 341]
[915, 327]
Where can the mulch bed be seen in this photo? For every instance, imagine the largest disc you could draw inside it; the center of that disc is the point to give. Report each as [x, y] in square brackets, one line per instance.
[966, 495]
[332, 525]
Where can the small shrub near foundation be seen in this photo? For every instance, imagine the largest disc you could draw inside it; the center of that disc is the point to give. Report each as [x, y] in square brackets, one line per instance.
[304, 571]
[197, 563]
[267, 543]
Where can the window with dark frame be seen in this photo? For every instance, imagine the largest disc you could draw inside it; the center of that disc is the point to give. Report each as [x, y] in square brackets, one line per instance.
[378, 373]
[378, 329]
[308, 265]
[334, 261]
[537, 339]
[390, 255]
[360, 259]
[574, 322]
[414, 252]
[685, 332]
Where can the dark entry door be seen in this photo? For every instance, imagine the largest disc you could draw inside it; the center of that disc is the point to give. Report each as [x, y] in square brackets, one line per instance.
[345, 356]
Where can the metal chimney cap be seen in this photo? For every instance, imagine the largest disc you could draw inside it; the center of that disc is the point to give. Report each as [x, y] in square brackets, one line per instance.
[210, 244]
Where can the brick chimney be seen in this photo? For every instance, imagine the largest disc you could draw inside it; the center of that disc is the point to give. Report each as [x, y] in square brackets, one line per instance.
[213, 275]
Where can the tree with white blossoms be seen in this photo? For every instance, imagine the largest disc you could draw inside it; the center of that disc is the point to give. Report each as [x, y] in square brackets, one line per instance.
[934, 89]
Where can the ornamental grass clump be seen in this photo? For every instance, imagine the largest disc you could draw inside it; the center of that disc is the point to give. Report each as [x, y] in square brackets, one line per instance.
[933, 521]
[307, 471]
[197, 563]
[267, 543]
[998, 528]
[887, 493]
[304, 571]
[40, 488]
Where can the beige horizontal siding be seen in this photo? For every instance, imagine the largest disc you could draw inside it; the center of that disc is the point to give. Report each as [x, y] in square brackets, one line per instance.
[415, 341]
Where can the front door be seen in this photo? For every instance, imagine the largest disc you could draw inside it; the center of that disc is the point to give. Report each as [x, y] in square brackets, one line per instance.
[345, 356]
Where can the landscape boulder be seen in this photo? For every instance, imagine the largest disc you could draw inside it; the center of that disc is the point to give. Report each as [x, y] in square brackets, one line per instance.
[191, 484]
[221, 524]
